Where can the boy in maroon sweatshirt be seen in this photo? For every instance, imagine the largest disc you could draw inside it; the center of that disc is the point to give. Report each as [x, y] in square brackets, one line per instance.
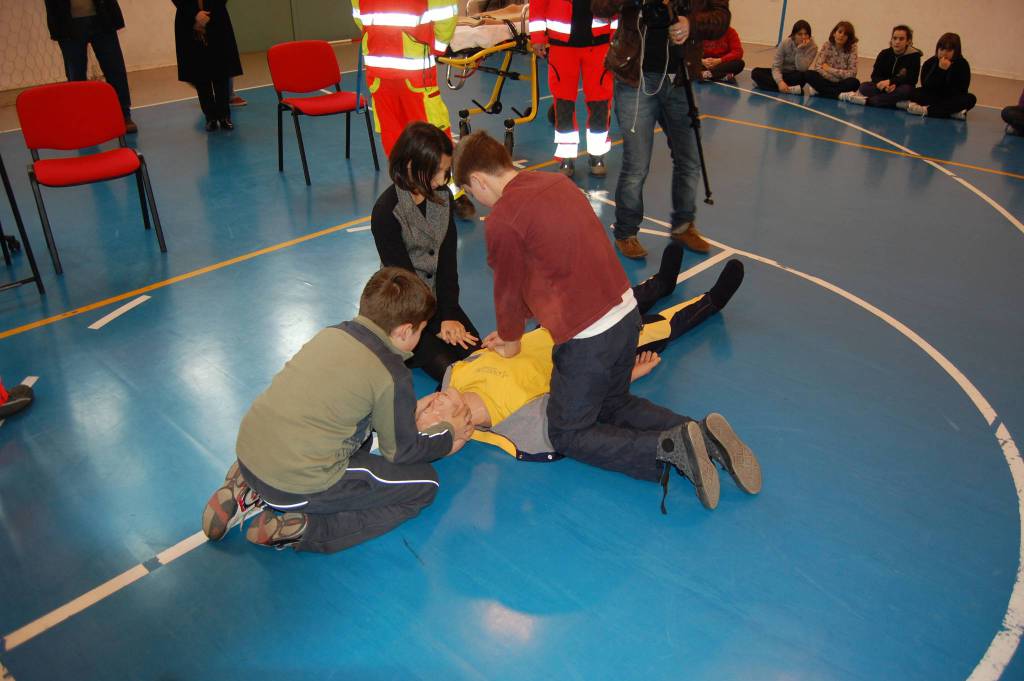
[553, 262]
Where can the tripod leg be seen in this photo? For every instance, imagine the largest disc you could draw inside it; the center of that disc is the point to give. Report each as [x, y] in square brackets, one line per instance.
[695, 124]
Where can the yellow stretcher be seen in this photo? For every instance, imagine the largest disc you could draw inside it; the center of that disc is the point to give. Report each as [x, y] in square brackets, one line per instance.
[503, 32]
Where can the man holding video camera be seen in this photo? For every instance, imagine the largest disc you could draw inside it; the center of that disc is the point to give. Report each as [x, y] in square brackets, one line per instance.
[655, 51]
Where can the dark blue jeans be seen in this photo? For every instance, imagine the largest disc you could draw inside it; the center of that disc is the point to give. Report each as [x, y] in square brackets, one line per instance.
[638, 113]
[107, 49]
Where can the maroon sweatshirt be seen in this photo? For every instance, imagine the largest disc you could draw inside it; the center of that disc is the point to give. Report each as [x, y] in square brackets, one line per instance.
[551, 257]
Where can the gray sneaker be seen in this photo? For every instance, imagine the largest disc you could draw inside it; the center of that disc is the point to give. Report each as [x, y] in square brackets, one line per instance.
[732, 454]
[231, 504]
[684, 448]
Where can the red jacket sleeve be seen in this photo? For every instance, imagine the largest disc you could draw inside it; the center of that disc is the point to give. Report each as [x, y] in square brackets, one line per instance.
[735, 46]
[538, 21]
[505, 256]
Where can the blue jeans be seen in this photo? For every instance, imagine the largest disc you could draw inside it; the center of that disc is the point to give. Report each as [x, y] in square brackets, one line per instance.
[108, 53]
[669, 108]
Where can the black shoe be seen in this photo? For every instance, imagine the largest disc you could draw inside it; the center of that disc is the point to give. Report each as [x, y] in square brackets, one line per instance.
[18, 397]
[732, 454]
[129, 126]
[464, 208]
[684, 448]
[211, 126]
[13, 245]
[567, 167]
[597, 168]
[671, 262]
[226, 124]
[728, 281]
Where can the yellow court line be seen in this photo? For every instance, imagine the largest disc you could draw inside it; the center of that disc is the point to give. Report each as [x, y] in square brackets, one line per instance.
[894, 152]
[181, 277]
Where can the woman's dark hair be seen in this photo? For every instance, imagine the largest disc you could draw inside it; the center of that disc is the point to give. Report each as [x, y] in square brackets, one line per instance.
[800, 25]
[906, 29]
[949, 41]
[416, 158]
[851, 36]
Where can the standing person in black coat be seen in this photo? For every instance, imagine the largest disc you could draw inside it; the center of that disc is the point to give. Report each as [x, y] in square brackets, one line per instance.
[414, 228]
[945, 79]
[207, 56]
[76, 24]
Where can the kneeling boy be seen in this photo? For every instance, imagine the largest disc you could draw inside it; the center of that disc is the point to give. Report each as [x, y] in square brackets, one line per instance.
[304, 446]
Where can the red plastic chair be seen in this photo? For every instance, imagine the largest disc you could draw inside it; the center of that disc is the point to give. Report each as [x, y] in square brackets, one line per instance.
[77, 115]
[309, 66]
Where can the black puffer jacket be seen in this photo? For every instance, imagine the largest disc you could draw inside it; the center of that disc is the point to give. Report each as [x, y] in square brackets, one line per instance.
[709, 20]
[58, 17]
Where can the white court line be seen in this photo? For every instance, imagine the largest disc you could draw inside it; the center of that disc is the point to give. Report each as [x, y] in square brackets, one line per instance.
[700, 267]
[361, 228]
[1006, 641]
[103, 321]
[942, 169]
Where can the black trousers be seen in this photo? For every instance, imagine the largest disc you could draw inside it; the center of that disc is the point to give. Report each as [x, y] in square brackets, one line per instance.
[592, 417]
[213, 98]
[107, 49]
[433, 355]
[942, 107]
[725, 68]
[1014, 117]
[373, 497]
[828, 88]
[763, 78]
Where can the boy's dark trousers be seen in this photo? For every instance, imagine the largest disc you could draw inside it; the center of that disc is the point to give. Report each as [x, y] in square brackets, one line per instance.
[591, 415]
[373, 497]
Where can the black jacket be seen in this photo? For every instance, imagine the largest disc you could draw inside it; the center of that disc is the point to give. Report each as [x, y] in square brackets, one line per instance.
[58, 17]
[953, 81]
[215, 59]
[901, 70]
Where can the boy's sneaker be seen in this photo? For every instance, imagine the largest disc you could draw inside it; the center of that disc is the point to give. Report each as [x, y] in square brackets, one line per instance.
[916, 109]
[732, 454]
[810, 91]
[853, 98]
[277, 530]
[684, 448]
[232, 504]
[959, 115]
[903, 104]
[794, 90]
[730, 77]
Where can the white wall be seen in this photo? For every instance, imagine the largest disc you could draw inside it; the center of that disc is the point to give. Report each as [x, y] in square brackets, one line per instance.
[29, 57]
[989, 29]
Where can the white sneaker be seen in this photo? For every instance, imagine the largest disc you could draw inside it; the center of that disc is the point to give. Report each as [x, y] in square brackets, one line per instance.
[916, 109]
[903, 104]
[794, 90]
[853, 98]
[705, 75]
[810, 91]
[959, 115]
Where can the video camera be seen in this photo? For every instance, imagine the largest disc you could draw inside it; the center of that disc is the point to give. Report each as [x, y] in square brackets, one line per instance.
[660, 14]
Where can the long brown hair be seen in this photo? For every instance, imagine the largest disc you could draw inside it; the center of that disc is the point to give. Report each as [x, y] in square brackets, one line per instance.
[851, 35]
[949, 41]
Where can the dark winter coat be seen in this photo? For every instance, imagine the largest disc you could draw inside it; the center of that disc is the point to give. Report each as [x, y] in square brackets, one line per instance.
[709, 20]
[218, 58]
[58, 17]
[953, 81]
[898, 70]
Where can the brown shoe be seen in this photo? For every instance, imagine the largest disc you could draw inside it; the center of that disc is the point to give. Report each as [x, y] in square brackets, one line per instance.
[464, 208]
[631, 248]
[129, 126]
[692, 239]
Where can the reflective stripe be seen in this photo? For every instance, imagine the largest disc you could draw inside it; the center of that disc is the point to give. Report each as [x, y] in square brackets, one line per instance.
[538, 25]
[598, 143]
[615, 24]
[571, 137]
[440, 46]
[598, 23]
[439, 13]
[401, 63]
[559, 26]
[387, 19]
[567, 150]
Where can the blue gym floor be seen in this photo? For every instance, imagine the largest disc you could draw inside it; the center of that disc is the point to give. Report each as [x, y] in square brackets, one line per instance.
[872, 358]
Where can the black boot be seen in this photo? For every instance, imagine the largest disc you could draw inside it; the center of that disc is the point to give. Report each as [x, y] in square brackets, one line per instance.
[567, 167]
[684, 447]
[728, 281]
[731, 453]
[597, 168]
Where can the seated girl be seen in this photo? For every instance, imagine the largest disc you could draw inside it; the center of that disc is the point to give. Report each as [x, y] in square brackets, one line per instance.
[945, 79]
[792, 59]
[723, 58]
[413, 228]
[835, 68]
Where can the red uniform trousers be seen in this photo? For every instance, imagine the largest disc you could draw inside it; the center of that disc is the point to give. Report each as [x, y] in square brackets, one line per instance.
[565, 66]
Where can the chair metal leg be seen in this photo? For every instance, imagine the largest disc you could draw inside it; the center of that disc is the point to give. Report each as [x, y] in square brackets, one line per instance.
[3, 245]
[369, 132]
[45, 221]
[20, 224]
[142, 197]
[302, 148]
[152, 204]
[348, 134]
[280, 143]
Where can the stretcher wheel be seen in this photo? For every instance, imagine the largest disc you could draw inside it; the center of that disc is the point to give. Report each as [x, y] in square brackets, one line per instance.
[464, 128]
[551, 114]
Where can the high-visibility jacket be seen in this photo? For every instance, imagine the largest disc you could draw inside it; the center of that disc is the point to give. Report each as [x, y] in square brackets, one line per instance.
[401, 37]
[551, 21]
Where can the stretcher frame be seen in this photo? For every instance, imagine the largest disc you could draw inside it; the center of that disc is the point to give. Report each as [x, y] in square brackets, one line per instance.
[460, 68]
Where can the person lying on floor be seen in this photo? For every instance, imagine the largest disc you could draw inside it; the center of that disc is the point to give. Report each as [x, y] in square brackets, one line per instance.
[508, 397]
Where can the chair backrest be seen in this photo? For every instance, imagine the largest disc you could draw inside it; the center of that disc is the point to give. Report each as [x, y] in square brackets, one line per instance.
[303, 66]
[70, 115]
